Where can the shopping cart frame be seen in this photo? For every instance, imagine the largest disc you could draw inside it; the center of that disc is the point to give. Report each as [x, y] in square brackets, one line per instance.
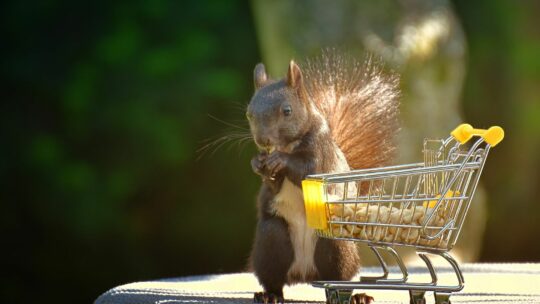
[451, 163]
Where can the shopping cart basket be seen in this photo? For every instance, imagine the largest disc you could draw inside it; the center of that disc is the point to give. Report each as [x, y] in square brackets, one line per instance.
[420, 205]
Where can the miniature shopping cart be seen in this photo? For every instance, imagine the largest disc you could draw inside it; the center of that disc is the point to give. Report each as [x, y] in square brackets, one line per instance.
[420, 205]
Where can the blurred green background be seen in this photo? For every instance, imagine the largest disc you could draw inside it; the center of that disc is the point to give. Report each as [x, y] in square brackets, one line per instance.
[105, 104]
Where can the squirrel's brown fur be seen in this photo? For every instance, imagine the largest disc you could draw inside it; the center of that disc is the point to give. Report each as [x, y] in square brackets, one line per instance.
[330, 115]
[360, 104]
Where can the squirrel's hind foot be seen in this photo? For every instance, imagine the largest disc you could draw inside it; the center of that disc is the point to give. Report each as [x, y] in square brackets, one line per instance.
[361, 298]
[267, 298]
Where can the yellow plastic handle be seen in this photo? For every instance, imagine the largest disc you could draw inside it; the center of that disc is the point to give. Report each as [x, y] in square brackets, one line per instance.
[314, 204]
[492, 136]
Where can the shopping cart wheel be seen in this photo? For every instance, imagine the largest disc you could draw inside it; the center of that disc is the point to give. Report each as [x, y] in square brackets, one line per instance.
[417, 297]
[442, 298]
[338, 296]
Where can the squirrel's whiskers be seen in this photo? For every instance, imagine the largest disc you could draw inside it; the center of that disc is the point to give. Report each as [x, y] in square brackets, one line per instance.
[238, 135]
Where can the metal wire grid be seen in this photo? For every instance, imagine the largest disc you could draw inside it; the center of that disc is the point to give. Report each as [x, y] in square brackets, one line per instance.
[418, 205]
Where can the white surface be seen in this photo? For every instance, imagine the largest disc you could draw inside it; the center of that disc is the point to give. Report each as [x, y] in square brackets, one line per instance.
[484, 283]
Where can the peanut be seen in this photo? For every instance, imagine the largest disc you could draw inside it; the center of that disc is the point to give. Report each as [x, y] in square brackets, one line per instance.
[375, 213]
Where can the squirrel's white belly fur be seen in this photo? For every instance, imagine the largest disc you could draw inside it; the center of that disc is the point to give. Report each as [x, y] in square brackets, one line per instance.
[289, 204]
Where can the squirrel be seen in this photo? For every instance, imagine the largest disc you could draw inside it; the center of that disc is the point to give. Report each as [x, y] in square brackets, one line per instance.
[332, 115]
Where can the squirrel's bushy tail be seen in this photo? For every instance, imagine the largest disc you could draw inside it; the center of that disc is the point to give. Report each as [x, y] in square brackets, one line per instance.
[360, 104]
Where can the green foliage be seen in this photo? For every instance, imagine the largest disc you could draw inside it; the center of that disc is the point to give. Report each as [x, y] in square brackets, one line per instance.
[502, 88]
[107, 104]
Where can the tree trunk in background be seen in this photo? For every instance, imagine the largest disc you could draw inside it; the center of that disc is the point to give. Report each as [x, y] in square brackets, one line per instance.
[421, 39]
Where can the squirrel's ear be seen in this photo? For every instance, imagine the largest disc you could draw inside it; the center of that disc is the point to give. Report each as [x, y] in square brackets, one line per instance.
[259, 76]
[294, 75]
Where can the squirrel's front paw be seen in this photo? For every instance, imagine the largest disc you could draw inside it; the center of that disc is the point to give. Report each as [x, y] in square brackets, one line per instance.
[275, 163]
[258, 162]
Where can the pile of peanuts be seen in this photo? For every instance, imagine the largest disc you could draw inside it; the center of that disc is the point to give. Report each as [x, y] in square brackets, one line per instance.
[413, 215]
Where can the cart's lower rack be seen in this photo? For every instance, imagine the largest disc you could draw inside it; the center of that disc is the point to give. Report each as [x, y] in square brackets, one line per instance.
[339, 292]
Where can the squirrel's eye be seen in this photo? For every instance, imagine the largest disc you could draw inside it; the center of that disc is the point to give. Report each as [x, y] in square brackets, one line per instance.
[287, 110]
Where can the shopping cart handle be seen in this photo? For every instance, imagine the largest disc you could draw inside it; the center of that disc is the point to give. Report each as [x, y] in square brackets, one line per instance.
[492, 136]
